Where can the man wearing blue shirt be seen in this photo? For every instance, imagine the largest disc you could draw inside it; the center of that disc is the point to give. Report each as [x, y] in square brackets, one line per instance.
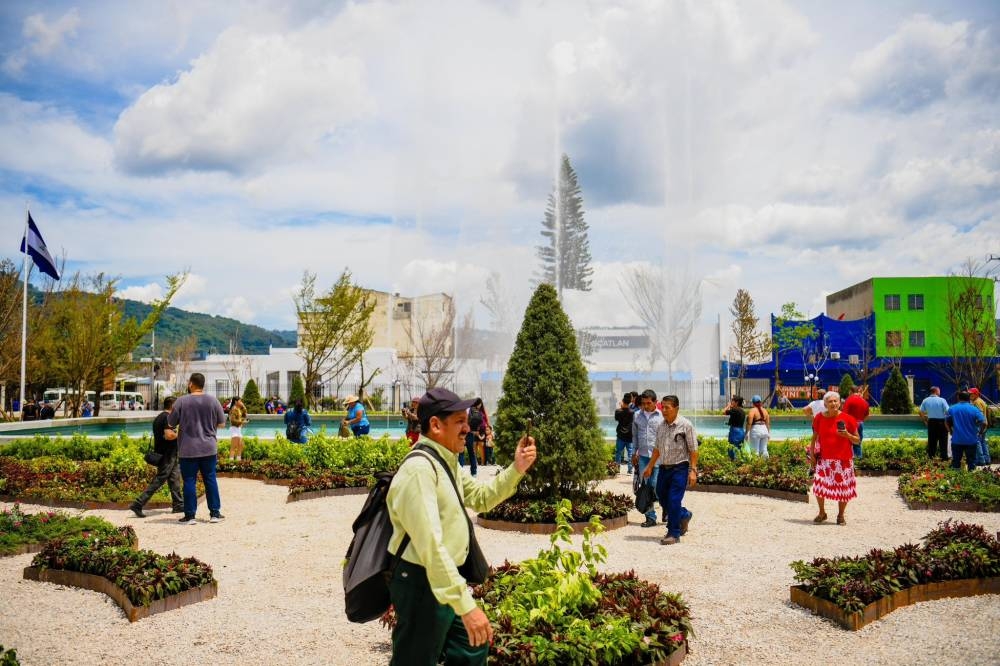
[933, 411]
[644, 426]
[966, 424]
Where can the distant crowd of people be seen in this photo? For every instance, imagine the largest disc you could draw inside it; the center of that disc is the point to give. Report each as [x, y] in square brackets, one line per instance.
[965, 423]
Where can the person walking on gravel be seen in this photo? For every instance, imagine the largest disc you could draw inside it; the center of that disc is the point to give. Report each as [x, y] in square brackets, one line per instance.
[832, 455]
[167, 471]
[677, 453]
[199, 416]
[436, 616]
[933, 411]
[644, 425]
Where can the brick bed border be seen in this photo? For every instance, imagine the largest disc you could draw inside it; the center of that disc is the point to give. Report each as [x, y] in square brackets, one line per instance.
[750, 490]
[326, 492]
[101, 584]
[67, 504]
[968, 587]
[976, 507]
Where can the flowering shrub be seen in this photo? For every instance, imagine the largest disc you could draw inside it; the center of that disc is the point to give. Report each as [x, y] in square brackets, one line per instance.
[18, 528]
[558, 609]
[62, 479]
[951, 485]
[953, 551]
[8, 657]
[143, 575]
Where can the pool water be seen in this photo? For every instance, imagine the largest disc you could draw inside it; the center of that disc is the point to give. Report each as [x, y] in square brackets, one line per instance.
[265, 427]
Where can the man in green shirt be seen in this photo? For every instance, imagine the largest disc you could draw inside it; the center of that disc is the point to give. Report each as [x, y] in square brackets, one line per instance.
[435, 612]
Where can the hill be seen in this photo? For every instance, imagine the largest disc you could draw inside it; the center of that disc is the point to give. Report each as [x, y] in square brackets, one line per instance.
[214, 334]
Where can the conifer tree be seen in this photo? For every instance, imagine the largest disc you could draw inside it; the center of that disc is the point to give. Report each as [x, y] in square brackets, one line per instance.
[564, 231]
[896, 395]
[297, 392]
[546, 381]
[252, 399]
[846, 386]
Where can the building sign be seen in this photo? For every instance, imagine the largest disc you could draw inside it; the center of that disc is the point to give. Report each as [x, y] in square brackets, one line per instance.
[620, 341]
[802, 392]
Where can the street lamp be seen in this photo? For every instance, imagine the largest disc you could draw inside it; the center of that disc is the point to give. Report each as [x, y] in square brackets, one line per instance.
[811, 379]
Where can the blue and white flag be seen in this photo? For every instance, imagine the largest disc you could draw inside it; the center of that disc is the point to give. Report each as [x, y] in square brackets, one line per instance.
[38, 251]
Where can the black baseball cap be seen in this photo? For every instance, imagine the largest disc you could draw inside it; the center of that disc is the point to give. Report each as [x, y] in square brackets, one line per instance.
[440, 401]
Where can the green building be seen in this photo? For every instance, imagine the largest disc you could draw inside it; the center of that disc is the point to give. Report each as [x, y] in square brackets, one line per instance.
[920, 317]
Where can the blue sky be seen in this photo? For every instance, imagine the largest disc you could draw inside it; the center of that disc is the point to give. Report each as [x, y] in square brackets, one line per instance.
[790, 149]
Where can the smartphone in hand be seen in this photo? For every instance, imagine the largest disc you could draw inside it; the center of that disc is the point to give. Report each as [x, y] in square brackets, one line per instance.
[841, 426]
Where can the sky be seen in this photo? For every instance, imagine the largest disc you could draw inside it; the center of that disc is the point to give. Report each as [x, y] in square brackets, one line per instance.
[787, 148]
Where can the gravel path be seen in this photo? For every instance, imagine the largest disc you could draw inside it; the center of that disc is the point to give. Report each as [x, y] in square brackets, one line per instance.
[280, 597]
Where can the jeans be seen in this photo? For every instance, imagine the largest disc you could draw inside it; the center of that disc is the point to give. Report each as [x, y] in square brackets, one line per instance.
[623, 453]
[983, 451]
[654, 475]
[470, 451]
[759, 437]
[168, 471]
[861, 438]
[670, 487]
[360, 430]
[937, 438]
[958, 450]
[425, 630]
[488, 455]
[189, 470]
[736, 437]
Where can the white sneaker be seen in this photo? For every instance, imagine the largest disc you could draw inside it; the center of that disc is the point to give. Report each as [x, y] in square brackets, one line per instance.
[216, 518]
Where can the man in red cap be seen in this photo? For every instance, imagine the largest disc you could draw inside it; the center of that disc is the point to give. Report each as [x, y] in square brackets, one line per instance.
[983, 452]
[436, 615]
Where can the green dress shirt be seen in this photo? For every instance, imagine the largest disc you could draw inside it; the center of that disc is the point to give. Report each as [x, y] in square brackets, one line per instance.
[422, 503]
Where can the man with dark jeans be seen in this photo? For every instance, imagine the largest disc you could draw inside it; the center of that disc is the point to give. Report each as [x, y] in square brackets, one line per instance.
[933, 411]
[623, 432]
[168, 471]
[677, 454]
[966, 424]
[199, 416]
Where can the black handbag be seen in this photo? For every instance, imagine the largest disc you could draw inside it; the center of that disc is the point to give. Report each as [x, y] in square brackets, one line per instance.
[475, 569]
[645, 497]
[153, 458]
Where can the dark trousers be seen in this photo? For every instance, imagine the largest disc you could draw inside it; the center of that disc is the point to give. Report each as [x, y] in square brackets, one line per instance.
[169, 472]
[937, 438]
[670, 486]
[470, 452]
[190, 467]
[426, 631]
[970, 451]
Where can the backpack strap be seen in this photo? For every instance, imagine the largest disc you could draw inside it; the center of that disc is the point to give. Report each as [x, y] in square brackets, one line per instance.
[418, 452]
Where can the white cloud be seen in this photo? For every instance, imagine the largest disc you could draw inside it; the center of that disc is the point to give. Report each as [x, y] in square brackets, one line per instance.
[144, 293]
[238, 307]
[45, 36]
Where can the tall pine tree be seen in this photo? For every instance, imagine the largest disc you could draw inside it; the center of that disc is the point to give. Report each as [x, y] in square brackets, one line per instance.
[547, 381]
[566, 246]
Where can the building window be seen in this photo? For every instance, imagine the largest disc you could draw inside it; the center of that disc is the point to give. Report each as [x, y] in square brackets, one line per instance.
[915, 302]
[221, 388]
[272, 384]
[917, 339]
[893, 339]
[892, 301]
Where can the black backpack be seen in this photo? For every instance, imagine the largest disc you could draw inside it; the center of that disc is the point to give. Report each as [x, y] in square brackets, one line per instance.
[369, 566]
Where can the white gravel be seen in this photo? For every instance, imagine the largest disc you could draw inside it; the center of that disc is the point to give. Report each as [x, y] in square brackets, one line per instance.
[280, 598]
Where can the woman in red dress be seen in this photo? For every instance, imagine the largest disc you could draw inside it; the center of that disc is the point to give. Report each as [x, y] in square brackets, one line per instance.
[832, 457]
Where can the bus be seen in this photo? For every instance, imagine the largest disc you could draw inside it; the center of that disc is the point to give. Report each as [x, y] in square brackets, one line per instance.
[58, 395]
[122, 400]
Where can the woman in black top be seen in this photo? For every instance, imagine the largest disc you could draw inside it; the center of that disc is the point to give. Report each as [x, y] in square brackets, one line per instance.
[737, 417]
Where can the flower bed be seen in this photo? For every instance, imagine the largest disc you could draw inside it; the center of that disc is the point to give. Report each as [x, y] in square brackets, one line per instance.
[952, 552]
[26, 532]
[526, 510]
[950, 489]
[558, 609]
[61, 481]
[786, 471]
[147, 581]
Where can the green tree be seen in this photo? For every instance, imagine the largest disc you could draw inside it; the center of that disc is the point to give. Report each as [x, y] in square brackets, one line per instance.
[896, 395]
[565, 250]
[846, 386]
[546, 381]
[88, 338]
[791, 333]
[334, 327]
[252, 398]
[298, 391]
[750, 345]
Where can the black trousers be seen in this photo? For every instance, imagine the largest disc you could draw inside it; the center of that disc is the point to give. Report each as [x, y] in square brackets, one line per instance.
[937, 438]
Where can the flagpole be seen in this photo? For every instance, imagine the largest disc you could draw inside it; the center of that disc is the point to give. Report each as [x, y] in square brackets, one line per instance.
[24, 309]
